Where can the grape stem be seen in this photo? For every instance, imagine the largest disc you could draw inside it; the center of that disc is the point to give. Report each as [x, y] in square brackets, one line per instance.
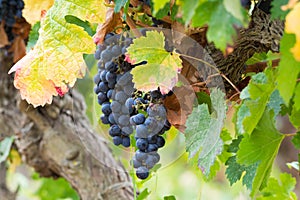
[290, 134]
[132, 25]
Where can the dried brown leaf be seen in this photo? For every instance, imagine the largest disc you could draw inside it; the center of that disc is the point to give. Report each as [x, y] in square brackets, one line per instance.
[3, 37]
[18, 48]
[112, 21]
[179, 105]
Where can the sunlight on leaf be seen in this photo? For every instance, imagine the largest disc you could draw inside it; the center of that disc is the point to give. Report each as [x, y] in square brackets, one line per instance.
[33, 9]
[57, 59]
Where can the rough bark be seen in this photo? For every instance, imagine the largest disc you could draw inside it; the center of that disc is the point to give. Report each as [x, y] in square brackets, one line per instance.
[58, 141]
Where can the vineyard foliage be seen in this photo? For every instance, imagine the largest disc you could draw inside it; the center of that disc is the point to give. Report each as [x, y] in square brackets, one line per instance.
[248, 150]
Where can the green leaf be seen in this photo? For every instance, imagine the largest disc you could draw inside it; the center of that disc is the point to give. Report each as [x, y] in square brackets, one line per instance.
[159, 4]
[169, 198]
[33, 36]
[220, 19]
[235, 172]
[119, 4]
[260, 147]
[256, 96]
[162, 67]
[295, 118]
[163, 12]
[296, 98]
[275, 102]
[143, 195]
[296, 140]
[276, 11]
[235, 8]
[188, 10]
[84, 24]
[257, 57]
[280, 189]
[5, 146]
[55, 189]
[295, 114]
[203, 97]
[203, 132]
[288, 68]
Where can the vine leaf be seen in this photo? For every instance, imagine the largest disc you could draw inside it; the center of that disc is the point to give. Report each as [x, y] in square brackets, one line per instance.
[276, 9]
[119, 4]
[3, 37]
[159, 4]
[281, 189]
[33, 9]
[5, 146]
[220, 18]
[235, 171]
[112, 21]
[295, 114]
[288, 69]
[56, 61]
[292, 25]
[296, 140]
[260, 147]
[203, 132]
[256, 96]
[162, 67]
[296, 98]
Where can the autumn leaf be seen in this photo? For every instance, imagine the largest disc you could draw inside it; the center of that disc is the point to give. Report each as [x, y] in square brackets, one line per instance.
[112, 20]
[3, 37]
[292, 25]
[162, 67]
[33, 8]
[56, 61]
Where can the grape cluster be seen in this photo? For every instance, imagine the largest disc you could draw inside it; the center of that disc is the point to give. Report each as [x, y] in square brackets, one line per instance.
[127, 110]
[9, 11]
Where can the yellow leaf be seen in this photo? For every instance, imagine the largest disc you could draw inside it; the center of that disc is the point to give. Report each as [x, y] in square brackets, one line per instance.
[15, 160]
[57, 59]
[34, 87]
[292, 25]
[33, 8]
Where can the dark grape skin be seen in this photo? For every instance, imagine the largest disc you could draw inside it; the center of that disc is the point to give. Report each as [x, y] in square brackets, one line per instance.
[114, 130]
[101, 98]
[139, 119]
[136, 163]
[106, 109]
[140, 156]
[142, 172]
[142, 144]
[152, 139]
[104, 119]
[160, 141]
[111, 119]
[126, 141]
[152, 147]
[117, 140]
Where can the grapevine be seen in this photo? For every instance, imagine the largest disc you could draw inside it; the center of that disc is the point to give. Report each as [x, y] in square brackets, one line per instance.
[219, 74]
